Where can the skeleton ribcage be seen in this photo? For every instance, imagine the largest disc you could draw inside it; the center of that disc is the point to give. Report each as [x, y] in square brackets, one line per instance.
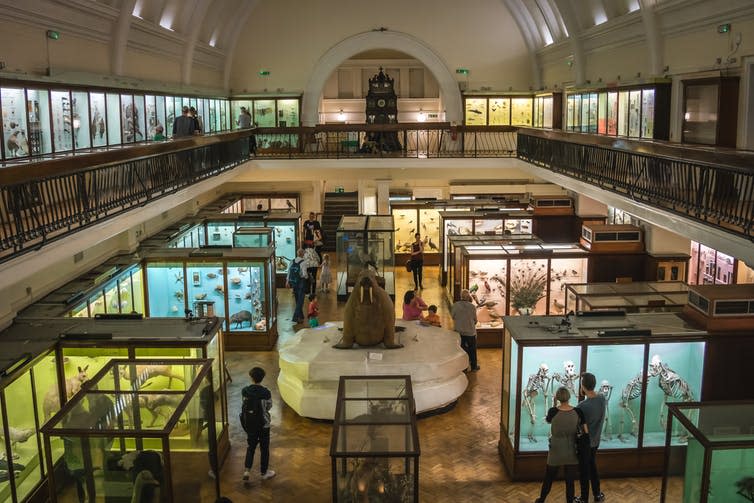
[632, 390]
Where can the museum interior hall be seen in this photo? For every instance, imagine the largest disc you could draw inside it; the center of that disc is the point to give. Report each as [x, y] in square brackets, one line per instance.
[191, 189]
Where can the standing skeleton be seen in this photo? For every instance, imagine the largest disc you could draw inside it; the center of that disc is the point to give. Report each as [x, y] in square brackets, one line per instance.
[537, 383]
[606, 390]
[630, 392]
[672, 384]
[568, 378]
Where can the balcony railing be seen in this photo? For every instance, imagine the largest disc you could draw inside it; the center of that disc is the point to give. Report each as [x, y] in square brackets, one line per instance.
[41, 201]
[712, 187]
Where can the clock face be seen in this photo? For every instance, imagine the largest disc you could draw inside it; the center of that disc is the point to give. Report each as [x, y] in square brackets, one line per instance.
[380, 103]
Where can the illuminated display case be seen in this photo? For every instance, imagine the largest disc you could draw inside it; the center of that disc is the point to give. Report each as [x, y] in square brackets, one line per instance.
[287, 227]
[715, 465]
[83, 347]
[132, 428]
[498, 110]
[39, 120]
[516, 279]
[411, 218]
[29, 395]
[633, 297]
[264, 202]
[362, 242]
[234, 284]
[634, 357]
[479, 222]
[635, 111]
[375, 443]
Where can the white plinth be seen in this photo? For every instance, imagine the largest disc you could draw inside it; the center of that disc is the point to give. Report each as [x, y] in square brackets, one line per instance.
[310, 367]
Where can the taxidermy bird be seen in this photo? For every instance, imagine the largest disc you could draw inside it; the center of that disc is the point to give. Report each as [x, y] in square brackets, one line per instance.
[432, 246]
[290, 205]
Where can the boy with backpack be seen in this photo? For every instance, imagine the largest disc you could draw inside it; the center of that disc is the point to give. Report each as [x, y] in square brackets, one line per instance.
[255, 420]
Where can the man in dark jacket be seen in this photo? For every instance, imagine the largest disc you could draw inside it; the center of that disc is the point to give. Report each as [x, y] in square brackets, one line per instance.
[258, 433]
[184, 124]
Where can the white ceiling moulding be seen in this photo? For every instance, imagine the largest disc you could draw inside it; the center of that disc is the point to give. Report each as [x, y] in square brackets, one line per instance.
[91, 25]
[679, 16]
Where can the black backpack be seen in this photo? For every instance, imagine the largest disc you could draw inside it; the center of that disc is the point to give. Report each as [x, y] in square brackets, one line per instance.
[252, 414]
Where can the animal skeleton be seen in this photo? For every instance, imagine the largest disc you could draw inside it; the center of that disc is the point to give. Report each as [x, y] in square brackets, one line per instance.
[537, 383]
[606, 390]
[672, 384]
[630, 392]
[568, 378]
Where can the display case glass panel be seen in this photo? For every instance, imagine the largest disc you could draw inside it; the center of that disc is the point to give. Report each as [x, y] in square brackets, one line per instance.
[623, 113]
[528, 286]
[521, 109]
[39, 134]
[517, 225]
[487, 286]
[169, 115]
[252, 237]
[80, 121]
[592, 113]
[456, 227]
[62, 129]
[488, 226]
[500, 112]
[562, 272]
[80, 311]
[476, 111]
[285, 241]
[647, 113]
[47, 397]
[128, 115]
[98, 123]
[25, 448]
[220, 233]
[282, 203]
[247, 299]
[150, 113]
[563, 364]
[602, 114]
[191, 238]
[264, 113]
[612, 113]
[634, 110]
[429, 220]
[510, 393]
[674, 374]
[206, 283]
[236, 105]
[139, 118]
[584, 122]
[406, 222]
[288, 113]
[619, 372]
[570, 111]
[113, 119]
[15, 132]
[166, 289]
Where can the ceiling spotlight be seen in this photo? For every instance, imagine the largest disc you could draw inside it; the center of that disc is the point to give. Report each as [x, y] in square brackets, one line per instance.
[341, 116]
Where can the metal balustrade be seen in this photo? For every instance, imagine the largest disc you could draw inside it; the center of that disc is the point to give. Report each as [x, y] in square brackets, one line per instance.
[717, 194]
[46, 200]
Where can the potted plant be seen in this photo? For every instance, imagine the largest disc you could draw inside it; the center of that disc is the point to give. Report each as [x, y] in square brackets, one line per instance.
[527, 286]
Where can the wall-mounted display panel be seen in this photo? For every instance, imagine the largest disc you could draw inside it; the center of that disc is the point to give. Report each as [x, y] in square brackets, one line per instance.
[15, 130]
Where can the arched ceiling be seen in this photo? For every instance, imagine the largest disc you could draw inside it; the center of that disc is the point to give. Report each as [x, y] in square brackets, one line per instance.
[206, 32]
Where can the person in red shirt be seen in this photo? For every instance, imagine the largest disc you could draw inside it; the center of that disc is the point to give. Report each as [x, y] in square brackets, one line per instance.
[313, 313]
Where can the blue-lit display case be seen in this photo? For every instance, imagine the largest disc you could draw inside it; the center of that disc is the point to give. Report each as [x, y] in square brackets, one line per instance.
[234, 284]
[361, 242]
[641, 362]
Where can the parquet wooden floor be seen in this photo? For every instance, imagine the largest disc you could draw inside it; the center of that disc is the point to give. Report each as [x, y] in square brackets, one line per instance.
[459, 460]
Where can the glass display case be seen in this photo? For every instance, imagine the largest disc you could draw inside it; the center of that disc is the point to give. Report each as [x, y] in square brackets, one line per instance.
[715, 464]
[411, 218]
[363, 242]
[375, 443]
[253, 237]
[133, 433]
[29, 395]
[234, 284]
[641, 362]
[635, 297]
[498, 110]
[121, 294]
[480, 222]
[287, 227]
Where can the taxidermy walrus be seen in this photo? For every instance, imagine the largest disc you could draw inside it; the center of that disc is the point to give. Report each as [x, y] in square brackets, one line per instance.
[369, 317]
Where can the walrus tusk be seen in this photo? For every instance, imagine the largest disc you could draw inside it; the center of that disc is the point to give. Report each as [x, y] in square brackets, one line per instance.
[361, 294]
[371, 300]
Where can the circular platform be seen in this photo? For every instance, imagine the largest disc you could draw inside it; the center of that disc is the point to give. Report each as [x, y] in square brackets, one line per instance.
[310, 367]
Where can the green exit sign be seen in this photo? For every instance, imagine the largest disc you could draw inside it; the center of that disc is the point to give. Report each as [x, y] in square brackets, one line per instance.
[462, 71]
[723, 28]
[339, 190]
[264, 73]
[52, 34]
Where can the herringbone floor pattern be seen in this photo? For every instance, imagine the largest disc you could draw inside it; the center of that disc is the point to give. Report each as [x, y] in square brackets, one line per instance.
[459, 460]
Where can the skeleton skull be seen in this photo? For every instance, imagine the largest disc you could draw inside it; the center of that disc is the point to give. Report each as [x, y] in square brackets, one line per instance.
[655, 366]
[543, 368]
[569, 367]
[605, 387]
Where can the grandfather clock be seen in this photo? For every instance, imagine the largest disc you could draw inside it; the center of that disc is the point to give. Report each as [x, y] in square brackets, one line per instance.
[382, 108]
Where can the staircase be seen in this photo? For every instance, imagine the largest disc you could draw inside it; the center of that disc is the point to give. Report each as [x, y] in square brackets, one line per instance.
[337, 204]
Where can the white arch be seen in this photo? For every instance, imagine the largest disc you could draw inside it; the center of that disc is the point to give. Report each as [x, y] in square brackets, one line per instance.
[329, 62]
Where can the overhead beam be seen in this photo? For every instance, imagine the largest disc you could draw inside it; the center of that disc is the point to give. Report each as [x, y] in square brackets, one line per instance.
[119, 41]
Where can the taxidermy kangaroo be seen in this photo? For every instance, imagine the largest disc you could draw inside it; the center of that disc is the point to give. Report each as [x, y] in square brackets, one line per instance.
[72, 386]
